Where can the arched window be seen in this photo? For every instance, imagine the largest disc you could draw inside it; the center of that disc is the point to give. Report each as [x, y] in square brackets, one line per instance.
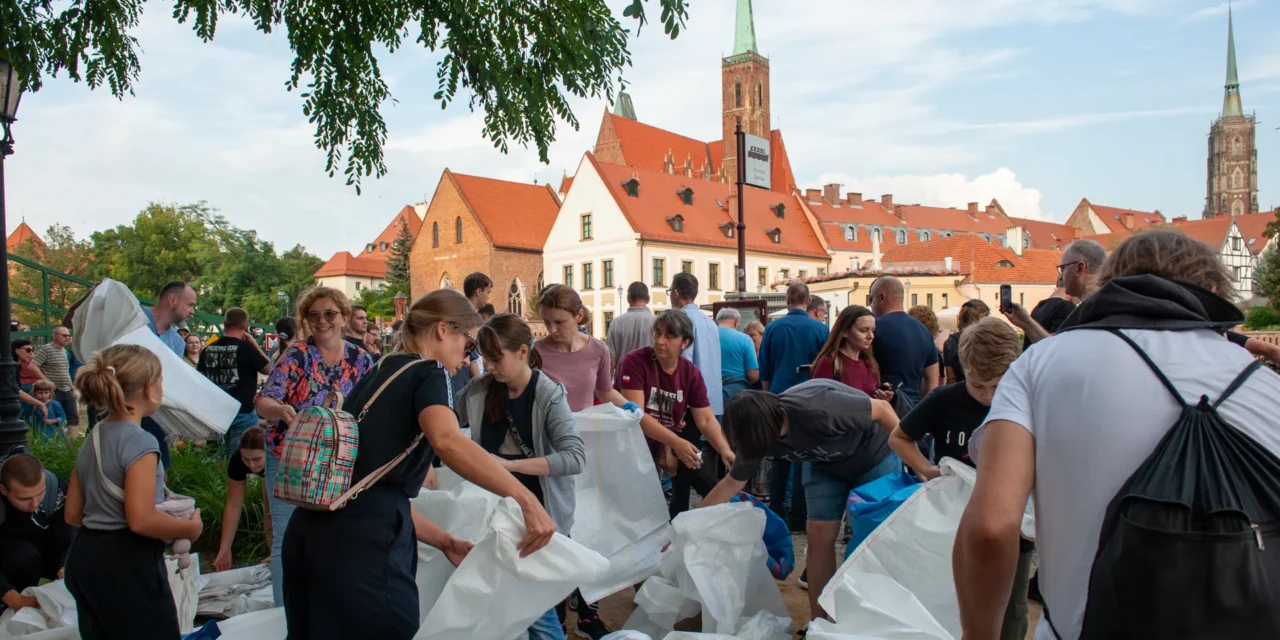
[541, 286]
[457, 230]
[737, 92]
[1224, 203]
[445, 282]
[924, 236]
[986, 237]
[435, 234]
[1004, 264]
[759, 94]
[902, 236]
[1237, 179]
[515, 298]
[1237, 208]
[1026, 242]
[850, 233]
[875, 235]
[1237, 146]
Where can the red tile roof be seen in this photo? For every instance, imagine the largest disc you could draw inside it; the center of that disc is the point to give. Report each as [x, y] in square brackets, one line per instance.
[990, 221]
[1110, 241]
[982, 262]
[1045, 234]
[1212, 231]
[646, 147]
[345, 264]
[781, 178]
[565, 183]
[23, 233]
[834, 218]
[657, 200]
[513, 214]
[1251, 227]
[1113, 217]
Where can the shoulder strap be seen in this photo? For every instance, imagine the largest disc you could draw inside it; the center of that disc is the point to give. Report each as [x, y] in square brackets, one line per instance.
[378, 473]
[511, 421]
[112, 488]
[384, 385]
[1238, 382]
[50, 501]
[1152, 365]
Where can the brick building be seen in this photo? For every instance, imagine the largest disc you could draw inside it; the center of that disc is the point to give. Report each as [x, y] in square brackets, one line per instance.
[1232, 181]
[491, 226]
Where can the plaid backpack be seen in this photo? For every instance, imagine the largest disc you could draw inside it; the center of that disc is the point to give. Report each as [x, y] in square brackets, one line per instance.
[318, 460]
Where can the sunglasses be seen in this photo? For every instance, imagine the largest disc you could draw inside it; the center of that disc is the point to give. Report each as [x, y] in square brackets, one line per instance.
[329, 315]
[471, 342]
[1063, 267]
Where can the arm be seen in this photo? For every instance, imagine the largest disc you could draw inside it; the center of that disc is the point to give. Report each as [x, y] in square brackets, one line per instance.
[230, 521]
[724, 491]
[986, 549]
[427, 532]
[140, 505]
[906, 448]
[615, 398]
[265, 367]
[73, 509]
[884, 415]
[1022, 320]
[27, 398]
[286, 374]
[654, 430]
[1262, 349]
[753, 376]
[930, 380]
[706, 421]
[949, 375]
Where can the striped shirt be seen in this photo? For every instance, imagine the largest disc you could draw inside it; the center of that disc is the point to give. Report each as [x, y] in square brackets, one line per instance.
[53, 363]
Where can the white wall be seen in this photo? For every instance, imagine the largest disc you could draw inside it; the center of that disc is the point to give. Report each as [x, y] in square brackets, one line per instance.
[349, 285]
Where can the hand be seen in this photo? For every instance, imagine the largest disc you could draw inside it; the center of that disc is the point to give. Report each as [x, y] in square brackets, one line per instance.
[630, 406]
[668, 462]
[223, 561]
[197, 525]
[728, 458]
[431, 482]
[1019, 317]
[17, 601]
[44, 411]
[687, 452]
[455, 550]
[883, 394]
[538, 526]
[932, 472]
[288, 413]
[62, 574]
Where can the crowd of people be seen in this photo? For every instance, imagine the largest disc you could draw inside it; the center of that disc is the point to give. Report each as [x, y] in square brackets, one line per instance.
[809, 405]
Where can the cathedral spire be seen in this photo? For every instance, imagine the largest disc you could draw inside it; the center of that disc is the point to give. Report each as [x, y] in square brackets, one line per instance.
[744, 33]
[623, 106]
[1231, 96]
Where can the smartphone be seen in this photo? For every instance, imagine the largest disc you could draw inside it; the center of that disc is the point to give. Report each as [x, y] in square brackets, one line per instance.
[1006, 298]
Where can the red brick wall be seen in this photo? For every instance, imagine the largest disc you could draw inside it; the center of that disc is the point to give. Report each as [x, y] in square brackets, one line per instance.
[754, 112]
[608, 147]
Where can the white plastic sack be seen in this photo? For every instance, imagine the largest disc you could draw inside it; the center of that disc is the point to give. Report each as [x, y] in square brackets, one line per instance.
[626, 635]
[875, 606]
[716, 564]
[61, 633]
[913, 548]
[193, 408]
[621, 512]
[185, 585]
[268, 624]
[762, 626]
[234, 592]
[497, 594]
[57, 610]
[462, 512]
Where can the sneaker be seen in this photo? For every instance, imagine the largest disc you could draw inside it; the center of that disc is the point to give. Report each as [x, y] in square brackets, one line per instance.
[804, 580]
[594, 629]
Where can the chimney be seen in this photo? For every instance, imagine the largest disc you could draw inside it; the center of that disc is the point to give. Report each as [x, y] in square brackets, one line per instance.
[813, 195]
[886, 201]
[1179, 219]
[854, 199]
[875, 252]
[1013, 236]
[946, 264]
[973, 210]
[900, 211]
[1127, 219]
[831, 193]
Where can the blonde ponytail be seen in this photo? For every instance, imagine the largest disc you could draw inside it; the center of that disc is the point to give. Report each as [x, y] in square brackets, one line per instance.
[115, 373]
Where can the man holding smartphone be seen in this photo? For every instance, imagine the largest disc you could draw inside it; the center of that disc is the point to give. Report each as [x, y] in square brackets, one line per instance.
[1080, 263]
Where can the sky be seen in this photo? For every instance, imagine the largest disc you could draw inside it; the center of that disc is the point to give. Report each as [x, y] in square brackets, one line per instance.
[1037, 103]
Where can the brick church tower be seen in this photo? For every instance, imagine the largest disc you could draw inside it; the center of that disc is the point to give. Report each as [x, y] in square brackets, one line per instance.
[744, 83]
[1232, 185]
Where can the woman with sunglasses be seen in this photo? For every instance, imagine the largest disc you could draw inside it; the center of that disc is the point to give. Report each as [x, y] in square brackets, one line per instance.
[306, 375]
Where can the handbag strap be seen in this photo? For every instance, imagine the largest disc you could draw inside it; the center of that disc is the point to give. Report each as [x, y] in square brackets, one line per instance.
[112, 488]
[383, 470]
[511, 423]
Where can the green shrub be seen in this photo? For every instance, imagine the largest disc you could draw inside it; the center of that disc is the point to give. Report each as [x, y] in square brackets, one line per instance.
[199, 472]
[1262, 319]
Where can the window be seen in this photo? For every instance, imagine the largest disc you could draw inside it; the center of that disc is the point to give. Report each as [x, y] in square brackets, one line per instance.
[659, 272]
[915, 299]
[850, 233]
[587, 277]
[902, 236]
[1237, 208]
[784, 274]
[802, 274]
[686, 195]
[515, 298]
[763, 276]
[457, 230]
[382, 246]
[1026, 242]
[986, 237]
[822, 271]
[875, 235]
[676, 222]
[727, 228]
[608, 274]
[1235, 244]
[369, 247]
[686, 266]
[775, 234]
[568, 274]
[435, 234]
[737, 92]
[1004, 264]
[1022, 299]
[586, 226]
[608, 320]
[924, 236]
[1235, 271]
[928, 300]
[1237, 146]
[944, 301]
[779, 210]
[713, 277]
[1237, 179]
[632, 187]
[359, 285]
[759, 94]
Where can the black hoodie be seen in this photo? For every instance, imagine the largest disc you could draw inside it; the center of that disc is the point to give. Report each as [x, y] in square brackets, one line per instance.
[1153, 302]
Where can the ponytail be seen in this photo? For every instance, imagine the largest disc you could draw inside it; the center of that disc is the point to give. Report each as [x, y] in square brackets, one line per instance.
[115, 373]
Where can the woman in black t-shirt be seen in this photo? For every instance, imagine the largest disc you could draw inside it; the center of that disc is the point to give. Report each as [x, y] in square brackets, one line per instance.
[350, 573]
[249, 459]
[970, 313]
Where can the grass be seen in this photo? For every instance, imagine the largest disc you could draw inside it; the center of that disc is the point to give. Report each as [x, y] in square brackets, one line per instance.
[199, 472]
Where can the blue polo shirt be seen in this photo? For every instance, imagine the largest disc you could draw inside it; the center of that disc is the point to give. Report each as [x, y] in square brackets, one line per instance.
[903, 349]
[737, 353]
[170, 338]
[790, 342]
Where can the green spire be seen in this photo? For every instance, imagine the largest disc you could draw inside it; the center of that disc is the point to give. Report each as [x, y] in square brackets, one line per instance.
[1231, 97]
[623, 106]
[744, 34]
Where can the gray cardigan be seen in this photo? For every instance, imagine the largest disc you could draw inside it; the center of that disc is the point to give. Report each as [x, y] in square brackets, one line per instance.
[555, 437]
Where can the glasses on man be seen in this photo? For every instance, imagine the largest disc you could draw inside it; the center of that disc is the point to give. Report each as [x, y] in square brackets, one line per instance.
[329, 315]
[1063, 267]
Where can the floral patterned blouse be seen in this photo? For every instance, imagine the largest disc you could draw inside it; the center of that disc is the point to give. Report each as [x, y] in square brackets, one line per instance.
[302, 379]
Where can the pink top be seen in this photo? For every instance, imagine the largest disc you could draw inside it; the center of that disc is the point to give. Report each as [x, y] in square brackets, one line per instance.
[854, 373]
[583, 373]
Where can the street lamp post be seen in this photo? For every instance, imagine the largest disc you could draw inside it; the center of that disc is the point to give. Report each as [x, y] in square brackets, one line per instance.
[13, 433]
[284, 302]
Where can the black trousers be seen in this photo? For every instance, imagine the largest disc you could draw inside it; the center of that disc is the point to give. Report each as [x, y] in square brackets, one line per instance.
[779, 473]
[350, 573]
[23, 564]
[68, 401]
[702, 480]
[121, 590]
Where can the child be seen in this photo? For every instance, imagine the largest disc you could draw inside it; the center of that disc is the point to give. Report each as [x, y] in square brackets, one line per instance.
[952, 413]
[115, 569]
[522, 417]
[55, 421]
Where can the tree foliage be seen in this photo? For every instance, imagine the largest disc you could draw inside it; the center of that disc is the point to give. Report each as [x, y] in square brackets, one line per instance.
[60, 251]
[520, 62]
[1266, 277]
[398, 261]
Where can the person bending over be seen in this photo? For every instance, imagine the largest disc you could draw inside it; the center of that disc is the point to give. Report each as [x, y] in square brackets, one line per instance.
[34, 535]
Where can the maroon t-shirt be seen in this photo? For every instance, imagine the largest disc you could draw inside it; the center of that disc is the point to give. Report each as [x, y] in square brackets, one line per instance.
[854, 373]
[666, 396]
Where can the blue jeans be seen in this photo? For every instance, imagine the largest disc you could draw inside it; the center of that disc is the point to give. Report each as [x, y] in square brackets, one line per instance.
[827, 496]
[231, 439]
[547, 627]
[280, 513]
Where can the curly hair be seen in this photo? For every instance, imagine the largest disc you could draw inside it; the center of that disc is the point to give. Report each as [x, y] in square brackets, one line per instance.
[1168, 254]
[927, 317]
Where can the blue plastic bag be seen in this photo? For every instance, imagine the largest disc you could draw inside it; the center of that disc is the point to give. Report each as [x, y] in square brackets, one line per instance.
[873, 502]
[777, 539]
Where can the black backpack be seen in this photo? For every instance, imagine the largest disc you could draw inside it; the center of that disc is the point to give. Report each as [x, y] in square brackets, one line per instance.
[1190, 545]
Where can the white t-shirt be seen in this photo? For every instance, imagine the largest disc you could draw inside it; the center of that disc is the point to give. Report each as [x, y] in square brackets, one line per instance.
[1097, 412]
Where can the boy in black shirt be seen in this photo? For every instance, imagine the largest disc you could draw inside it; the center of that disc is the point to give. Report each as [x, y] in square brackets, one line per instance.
[233, 362]
[951, 414]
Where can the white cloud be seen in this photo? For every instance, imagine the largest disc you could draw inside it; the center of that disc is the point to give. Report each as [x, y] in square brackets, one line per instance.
[1212, 11]
[1059, 123]
[950, 190]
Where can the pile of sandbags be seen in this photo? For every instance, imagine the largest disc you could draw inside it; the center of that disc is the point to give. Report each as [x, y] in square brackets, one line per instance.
[226, 594]
[716, 565]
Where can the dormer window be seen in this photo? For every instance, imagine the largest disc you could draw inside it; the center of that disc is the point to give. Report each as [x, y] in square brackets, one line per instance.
[1026, 242]
[676, 222]
[727, 228]
[368, 248]
[382, 246]
[1004, 264]
[924, 236]
[779, 210]
[686, 195]
[986, 237]
[901, 236]
[775, 234]
[851, 233]
[633, 187]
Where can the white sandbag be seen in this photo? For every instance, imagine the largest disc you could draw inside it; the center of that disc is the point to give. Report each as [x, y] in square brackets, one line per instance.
[913, 548]
[185, 586]
[57, 610]
[226, 594]
[869, 605]
[497, 594]
[626, 635]
[61, 633]
[630, 565]
[193, 408]
[268, 624]
[716, 564]
[462, 512]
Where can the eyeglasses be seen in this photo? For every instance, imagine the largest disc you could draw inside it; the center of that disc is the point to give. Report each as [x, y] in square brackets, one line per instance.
[471, 341]
[1063, 267]
[329, 315]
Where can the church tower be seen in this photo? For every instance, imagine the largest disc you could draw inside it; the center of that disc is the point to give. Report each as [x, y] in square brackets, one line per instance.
[744, 84]
[1232, 185]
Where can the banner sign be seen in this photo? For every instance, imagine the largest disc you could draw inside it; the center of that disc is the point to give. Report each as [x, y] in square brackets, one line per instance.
[757, 161]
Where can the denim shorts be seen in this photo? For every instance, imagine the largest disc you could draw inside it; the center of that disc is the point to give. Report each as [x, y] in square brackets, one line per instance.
[826, 496]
